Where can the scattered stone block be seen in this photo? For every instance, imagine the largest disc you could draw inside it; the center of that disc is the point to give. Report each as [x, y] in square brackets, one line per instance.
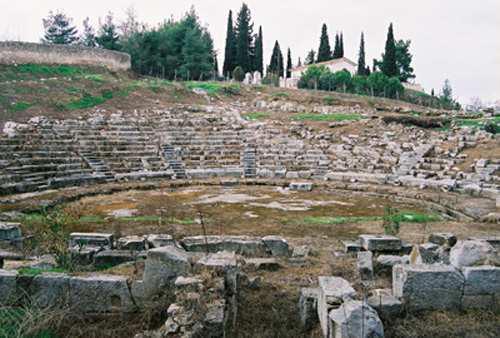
[482, 287]
[159, 240]
[386, 305]
[385, 263]
[333, 292]
[79, 239]
[242, 245]
[308, 308]
[219, 262]
[162, 265]
[8, 287]
[380, 243]
[365, 265]
[493, 240]
[351, 247]
[301, 251]
[471, 253]
[406, 247]
[443, 238]
[84, 255]
[278, 246]
[100, 294]
[214, 319]
[191, 284]
[109, 258]
[428, 287]
[429, 253]
[268, 264]
[355, 319]
[10, 231]
[301, 186]
[132, 243]
[50, 290]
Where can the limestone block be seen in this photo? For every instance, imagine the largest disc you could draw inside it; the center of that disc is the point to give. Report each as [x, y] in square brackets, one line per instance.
[351, 246]
[219, 262]
[10, 231]
[78, 239]
[471, 253]
[355, 319]
[333, 292]
[443, 238]
[428, 287]
[109, 258]
[50, 290]
[8, 285]
[278, 246]
[162, 265]
[380, 242]
[100, 294]
[308, 307]
[242, 245]
[386, 305]
[132, 243]
[365, 265]
[256, 264]
[159, 240]
[385, 263]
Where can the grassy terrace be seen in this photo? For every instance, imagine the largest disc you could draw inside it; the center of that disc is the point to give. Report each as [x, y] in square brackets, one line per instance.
[326, 117]
[404, 216]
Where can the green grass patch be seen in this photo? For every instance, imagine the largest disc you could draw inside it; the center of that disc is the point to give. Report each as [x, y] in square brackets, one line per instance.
[212, 88]
[326, 117]
[280, 95]
[329, 100]
[19, 106]
[99, 78]
[402, 216]
[89, 101]
[16, 322]
[46, 70]
[255, 116]
[91, 219]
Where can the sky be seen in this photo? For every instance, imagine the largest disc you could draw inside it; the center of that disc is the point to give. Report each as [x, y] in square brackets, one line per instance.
[451, 39]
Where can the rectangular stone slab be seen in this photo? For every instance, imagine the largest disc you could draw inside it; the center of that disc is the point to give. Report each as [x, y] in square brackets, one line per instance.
[92, 239]
[428, 287]
[380, 242]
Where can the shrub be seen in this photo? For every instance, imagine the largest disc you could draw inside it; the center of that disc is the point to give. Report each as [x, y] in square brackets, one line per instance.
[271, 79]
[492, 128]
[238, 74]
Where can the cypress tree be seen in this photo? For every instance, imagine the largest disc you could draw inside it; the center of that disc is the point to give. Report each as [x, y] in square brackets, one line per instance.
[336, 50]
[276, 65]
[259, 52]
[389, 65]
[310, 58]
[244, 38]
[230, 51]
[324, 51]
[361, 60]
[299, 63]
[289, 65]
[341, 45]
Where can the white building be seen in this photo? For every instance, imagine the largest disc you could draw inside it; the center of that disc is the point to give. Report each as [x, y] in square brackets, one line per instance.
[334, 65]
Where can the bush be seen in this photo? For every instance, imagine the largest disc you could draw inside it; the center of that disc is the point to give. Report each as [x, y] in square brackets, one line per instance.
[238, 74]
[271, 79]
[492, 128]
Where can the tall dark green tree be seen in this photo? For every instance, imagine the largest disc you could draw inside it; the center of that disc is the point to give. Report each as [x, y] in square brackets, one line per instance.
[310, 58]
[362, 57]
[324, 50]
[289, 65]
[108, 34]
[59, 29]
[336, 49]
[299, 63]
[389, 65]
[259, 52]
[276, 66]
[403, 60]
[88, 36]
[341, 45]
[230, 51]
[244, 39]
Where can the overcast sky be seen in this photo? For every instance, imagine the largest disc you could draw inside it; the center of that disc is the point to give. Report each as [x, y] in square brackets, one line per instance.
[454, 39]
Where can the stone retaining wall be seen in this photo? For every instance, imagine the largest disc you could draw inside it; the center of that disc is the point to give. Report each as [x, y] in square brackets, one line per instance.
[24, 52]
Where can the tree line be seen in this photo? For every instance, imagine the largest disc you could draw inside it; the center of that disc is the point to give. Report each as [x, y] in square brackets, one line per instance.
[175, 49]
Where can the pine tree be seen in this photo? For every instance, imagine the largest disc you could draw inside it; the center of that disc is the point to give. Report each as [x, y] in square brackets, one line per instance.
[289, 65]
[108, 35]
[244, 38]
[276, 65]
[130, 25]
[336, 50]
[324, 50]
[389, 66]
[361, 60]
[230, 52]
[88, 37]
[259, 52]
[432, 92]
[341, 45]
[310, 58]
[58, 29]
